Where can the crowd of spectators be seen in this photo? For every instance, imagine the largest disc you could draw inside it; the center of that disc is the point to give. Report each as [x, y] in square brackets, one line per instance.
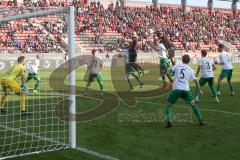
[29, 36]
[35, 3]
[26, 37]
[188, 30]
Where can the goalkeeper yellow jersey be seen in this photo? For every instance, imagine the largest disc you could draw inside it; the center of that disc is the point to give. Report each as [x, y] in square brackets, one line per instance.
[15, 72]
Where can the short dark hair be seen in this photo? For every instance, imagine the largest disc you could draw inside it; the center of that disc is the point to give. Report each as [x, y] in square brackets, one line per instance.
[94, 51]
[204, 52]
[158, 34]
[186, 58]
[221, 46]
[20, 59]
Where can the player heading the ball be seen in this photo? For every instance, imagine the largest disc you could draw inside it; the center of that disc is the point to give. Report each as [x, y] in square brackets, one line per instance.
[130, 70]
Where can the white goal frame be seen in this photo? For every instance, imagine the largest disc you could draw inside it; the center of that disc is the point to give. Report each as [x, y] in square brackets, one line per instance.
[71, 53]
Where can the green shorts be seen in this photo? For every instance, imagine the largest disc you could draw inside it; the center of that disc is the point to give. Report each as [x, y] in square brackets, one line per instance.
[164, 63]
[92, 77]
[209, 80]
[226, 73]
[175, 94]
[129, 69]
[170, 71]
[32, 76]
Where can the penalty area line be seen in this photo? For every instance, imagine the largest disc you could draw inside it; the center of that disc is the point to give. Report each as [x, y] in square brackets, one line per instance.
[84, 150]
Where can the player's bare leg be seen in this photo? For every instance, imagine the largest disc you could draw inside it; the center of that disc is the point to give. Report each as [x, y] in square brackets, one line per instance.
[231, 87]
[170, 85]
[219, 86]
[214, 93]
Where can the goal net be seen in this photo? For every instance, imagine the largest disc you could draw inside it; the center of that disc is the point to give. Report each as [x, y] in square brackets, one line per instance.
[29, 120]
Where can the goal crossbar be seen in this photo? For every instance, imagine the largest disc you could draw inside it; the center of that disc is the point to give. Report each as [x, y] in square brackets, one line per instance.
[34, 15]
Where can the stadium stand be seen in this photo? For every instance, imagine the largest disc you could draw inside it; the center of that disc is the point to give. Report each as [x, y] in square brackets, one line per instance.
[96, 27]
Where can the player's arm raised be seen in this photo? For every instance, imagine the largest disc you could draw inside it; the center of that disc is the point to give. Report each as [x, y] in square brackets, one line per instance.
[150, 43]
[121, 53]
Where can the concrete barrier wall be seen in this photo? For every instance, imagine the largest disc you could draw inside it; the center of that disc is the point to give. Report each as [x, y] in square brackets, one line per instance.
[53, 60]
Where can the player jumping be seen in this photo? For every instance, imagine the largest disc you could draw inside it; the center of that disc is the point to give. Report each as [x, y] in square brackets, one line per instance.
[162, 54]
[182, 74]
[94, 68]
[33, 73]
[207, 66]
[227, 70]
[9, 84]
[132, 51]
[129, 69]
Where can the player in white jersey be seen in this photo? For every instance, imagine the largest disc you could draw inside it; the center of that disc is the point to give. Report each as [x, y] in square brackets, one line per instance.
[94, 69]
[33, 73]
[163, 58]
[182, 75]
[207, 67]
[129, 69]
[227, 69]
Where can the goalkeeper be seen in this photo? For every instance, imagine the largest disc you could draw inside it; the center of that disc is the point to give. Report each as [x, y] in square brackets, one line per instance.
[9, 84]
[33, 73]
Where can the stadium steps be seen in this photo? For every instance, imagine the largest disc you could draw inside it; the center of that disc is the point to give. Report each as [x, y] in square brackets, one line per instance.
[86, 40]
[48, 33]
[232, 48]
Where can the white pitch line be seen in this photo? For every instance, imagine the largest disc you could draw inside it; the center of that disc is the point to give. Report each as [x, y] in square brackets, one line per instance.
[96, 154]
[210, 110]
[178, 106]
[220, 111]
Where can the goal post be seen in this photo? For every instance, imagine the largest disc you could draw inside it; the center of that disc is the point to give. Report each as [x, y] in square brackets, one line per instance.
[72, 98]
[52, 133]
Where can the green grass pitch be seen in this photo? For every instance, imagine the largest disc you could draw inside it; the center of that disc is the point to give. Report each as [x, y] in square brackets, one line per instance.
[125, 139]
